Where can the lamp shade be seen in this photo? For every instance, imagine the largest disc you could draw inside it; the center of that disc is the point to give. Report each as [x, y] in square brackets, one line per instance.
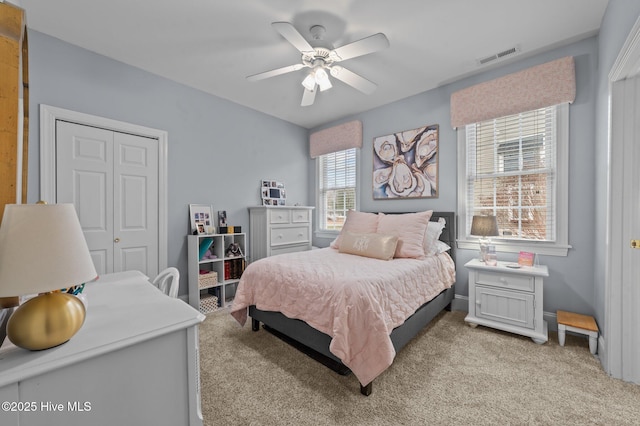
[484, 226]
[42, 248]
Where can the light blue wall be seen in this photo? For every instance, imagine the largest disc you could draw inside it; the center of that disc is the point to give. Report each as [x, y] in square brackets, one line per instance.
[619, 19]
[570, 285]
[218, 150]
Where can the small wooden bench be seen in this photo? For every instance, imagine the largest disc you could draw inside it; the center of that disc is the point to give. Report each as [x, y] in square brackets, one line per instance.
[578, 323]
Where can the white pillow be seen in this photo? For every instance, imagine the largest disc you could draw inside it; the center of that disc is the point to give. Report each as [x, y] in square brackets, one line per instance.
[434, 229]
[441, 247]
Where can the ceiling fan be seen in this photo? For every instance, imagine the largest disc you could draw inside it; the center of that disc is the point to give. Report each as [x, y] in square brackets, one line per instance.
[322, 59]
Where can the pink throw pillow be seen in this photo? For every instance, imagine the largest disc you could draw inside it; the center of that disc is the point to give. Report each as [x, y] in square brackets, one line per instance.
[359, 222]
[410, 228]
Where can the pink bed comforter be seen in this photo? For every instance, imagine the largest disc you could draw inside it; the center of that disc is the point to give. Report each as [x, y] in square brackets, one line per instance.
[356, 300]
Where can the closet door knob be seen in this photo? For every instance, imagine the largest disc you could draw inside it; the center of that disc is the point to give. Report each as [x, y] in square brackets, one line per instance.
[117, 240]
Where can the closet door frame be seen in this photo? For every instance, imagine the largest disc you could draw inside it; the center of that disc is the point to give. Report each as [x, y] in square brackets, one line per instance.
[48, 183]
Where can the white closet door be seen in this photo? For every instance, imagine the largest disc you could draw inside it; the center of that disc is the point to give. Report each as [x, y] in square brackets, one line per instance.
[136, 203]
[112, 179]
[85, 179]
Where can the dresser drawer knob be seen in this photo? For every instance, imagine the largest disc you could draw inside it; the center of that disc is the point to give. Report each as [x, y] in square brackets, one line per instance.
[280, 236]
[503, 280]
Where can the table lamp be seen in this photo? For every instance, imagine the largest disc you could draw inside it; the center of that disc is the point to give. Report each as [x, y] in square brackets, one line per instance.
[484, 227]
[43, 250]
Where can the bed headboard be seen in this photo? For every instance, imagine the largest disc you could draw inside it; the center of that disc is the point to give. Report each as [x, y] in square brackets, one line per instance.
[448, 235]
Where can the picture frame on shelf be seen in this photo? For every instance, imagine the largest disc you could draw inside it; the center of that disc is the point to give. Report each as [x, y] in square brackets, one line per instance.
[200, 218]
[200, 228]
[222, 218]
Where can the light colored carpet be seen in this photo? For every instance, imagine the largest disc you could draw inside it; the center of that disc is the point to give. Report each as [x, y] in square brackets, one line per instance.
[449, 374]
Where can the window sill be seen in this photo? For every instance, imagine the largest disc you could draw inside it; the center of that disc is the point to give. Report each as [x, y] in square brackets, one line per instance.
[549, 249]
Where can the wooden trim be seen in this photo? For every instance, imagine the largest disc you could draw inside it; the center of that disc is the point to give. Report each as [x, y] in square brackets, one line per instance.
[25, 113]
[12, 44]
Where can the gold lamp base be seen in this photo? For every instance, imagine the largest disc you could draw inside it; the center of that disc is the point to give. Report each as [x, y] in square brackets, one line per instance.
[46, 321]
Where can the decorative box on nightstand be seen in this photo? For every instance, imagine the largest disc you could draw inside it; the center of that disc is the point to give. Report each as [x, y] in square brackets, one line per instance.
[508, 299]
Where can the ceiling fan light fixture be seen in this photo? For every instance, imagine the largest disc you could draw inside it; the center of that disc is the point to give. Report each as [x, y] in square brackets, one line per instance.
[325, 85]
[309, 81]
[323, 79]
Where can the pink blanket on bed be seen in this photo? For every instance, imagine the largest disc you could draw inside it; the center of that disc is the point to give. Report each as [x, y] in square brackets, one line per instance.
[356, 300]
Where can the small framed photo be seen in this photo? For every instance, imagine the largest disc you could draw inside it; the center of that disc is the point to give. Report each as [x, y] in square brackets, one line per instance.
[201, 219]
[222, 218]
[201, 228]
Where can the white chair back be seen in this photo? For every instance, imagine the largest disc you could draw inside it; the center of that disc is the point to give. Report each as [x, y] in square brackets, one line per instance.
[168, 281]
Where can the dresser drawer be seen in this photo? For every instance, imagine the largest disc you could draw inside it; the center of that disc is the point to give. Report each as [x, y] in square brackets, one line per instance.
[279, 216]
[290, 249]
[300, 216]
[512, 281]
[293, 235]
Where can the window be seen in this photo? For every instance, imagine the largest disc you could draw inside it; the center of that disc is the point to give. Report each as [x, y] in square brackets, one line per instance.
[336, 188]
[515, 168]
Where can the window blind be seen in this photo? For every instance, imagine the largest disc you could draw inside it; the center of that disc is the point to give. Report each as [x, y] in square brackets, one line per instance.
[337, 185]
[511, 173]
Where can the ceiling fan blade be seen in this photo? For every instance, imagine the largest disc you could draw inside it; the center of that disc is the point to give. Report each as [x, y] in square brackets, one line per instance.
[273, 73]
[361, 47]
[308, 97]
[353, 79]
[289, 32]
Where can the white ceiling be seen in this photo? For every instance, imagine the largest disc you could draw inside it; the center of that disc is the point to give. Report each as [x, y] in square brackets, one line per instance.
[212, 45]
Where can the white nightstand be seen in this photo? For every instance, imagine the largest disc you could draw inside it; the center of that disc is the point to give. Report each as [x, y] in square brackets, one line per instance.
[508, 299]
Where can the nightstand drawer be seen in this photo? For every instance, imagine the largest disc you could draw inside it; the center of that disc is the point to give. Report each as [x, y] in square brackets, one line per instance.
[281, 236]
[515, 282]
[279, 216]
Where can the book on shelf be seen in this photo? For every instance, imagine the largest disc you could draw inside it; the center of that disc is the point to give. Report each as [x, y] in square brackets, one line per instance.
[205, 245]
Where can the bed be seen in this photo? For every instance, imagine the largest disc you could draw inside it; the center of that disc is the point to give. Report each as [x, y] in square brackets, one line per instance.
[293, 294]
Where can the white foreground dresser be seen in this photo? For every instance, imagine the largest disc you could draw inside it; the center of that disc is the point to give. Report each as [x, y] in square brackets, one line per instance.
[133, 362]
[276, 230]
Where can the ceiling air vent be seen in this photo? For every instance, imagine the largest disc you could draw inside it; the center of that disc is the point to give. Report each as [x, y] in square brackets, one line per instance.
[500, 55]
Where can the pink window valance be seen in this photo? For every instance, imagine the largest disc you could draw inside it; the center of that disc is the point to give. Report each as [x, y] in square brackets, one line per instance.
[536, 87]
[337, 138]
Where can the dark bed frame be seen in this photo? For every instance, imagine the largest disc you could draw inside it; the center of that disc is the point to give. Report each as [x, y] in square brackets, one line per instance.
[316, 344]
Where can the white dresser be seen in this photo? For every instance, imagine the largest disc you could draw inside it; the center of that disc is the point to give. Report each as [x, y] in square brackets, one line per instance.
[133, 362]
[509, 299]
[276, 230]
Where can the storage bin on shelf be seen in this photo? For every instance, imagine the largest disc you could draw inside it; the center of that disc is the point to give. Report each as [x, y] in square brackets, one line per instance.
[208, 304]
[208, 279]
